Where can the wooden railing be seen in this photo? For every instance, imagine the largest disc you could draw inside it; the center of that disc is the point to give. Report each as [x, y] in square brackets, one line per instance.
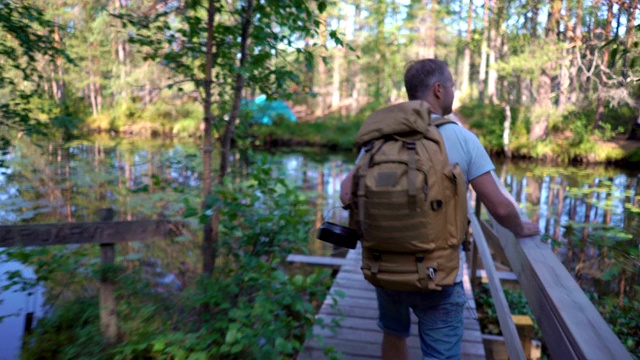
[106, 233]
[572, 328]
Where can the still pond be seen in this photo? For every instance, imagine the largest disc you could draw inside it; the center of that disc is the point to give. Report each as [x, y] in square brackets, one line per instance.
[589, 216]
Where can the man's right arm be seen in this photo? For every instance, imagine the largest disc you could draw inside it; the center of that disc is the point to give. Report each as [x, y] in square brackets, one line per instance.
[502, 206]
[345, 189]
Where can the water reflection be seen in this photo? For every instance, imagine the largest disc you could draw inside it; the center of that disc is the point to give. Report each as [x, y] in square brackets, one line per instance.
[574, 207]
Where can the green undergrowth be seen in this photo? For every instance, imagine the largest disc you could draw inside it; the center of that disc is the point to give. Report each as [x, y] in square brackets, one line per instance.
[623, 318]
[251, 307]
[181, 119]
[487, 315]
[572, 136]
[331, 132]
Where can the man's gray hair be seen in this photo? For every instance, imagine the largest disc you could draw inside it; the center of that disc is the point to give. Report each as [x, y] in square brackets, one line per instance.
[421, 75]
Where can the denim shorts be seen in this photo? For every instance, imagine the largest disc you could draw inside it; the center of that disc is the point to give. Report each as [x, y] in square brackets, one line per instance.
[439, 313]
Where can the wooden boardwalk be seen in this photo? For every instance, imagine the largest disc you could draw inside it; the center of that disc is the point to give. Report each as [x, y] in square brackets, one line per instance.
[358, 336]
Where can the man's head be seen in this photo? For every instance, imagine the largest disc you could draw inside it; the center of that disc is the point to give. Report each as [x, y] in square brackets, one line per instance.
[430, 80]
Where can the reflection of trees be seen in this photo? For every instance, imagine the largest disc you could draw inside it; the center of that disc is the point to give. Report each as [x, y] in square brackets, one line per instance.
[585, 223]
[596, 239]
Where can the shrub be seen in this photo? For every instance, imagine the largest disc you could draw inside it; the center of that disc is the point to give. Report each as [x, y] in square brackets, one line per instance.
[250, 308]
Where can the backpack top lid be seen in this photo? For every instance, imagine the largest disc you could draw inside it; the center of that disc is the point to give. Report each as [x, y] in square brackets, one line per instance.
[410, 116]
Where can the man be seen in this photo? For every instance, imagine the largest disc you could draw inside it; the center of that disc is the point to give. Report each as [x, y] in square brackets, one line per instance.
[440, 313]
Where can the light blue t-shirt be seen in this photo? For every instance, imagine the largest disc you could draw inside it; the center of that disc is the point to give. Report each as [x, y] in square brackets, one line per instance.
[464, 148]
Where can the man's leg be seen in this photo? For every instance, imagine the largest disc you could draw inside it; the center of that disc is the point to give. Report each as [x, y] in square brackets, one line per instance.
[394, 347]
[440, 322]
[394, 321]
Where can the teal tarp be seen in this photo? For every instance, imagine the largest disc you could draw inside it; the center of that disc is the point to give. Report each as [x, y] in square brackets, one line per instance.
[265, 112]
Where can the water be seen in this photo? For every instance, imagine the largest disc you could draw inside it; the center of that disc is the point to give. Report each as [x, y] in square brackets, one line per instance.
[15, 305]
[139, 178]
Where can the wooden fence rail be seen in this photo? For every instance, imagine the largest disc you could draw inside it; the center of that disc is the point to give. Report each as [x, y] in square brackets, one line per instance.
[106, 233]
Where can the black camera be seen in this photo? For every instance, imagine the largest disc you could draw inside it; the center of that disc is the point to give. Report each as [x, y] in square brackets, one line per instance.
[338, 235]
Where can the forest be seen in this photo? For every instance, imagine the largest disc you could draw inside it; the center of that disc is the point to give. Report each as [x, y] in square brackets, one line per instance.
[140, 67]
[95, 93]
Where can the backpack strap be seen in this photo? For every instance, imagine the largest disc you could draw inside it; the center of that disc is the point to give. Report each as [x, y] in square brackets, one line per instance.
[412, 175]
[438, 121]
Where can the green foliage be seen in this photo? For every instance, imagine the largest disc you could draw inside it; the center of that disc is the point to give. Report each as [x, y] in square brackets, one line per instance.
[623, 318]
[75, 323]
[250, 308]
[572, 136]
[332, 132]
[528, 60]
[487, 314]
[25, 39]
[487, 122]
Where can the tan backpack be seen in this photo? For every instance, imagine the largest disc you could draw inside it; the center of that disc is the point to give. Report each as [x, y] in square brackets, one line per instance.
[408, 203]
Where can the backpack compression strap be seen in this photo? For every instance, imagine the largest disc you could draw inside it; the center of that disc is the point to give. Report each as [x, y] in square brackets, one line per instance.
[438, 121]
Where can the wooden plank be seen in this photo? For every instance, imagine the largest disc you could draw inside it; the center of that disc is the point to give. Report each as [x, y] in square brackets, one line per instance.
[108, 318]
[371, 323]
[494, 244]
[502, 307]
[358, 336]
[572, 327]
[317, 260]
[470, 320]
[84, 232]
[502, 275]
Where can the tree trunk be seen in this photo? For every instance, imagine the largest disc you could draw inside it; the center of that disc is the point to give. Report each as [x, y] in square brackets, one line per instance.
[466, 65]
[483, 54]
[237, 96]
[321, 86]
[122, 49]
[309, 79]
[494, 47]
[59, 84]
[635, 127]
[507, 130]
[544, 104]
[92, 88]
[629, 36]
[209, 243]
[605, 61]
[563, 80]
[431, 27]
[535, 9]
[355, 92]
[539, 128]
[335, 86]
[574, 81]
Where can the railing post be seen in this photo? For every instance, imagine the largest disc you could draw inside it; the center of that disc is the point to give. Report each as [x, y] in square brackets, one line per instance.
[502, 307]
[474, 249]
[524, 325]
[108, 318]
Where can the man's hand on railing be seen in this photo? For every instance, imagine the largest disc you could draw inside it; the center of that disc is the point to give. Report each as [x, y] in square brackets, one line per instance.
[502, 206]
[528, 228]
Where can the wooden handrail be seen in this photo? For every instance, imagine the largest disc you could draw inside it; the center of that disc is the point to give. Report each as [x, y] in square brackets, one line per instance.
[84, 232]
[105, 233]
[514, 347]
[571, 325]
